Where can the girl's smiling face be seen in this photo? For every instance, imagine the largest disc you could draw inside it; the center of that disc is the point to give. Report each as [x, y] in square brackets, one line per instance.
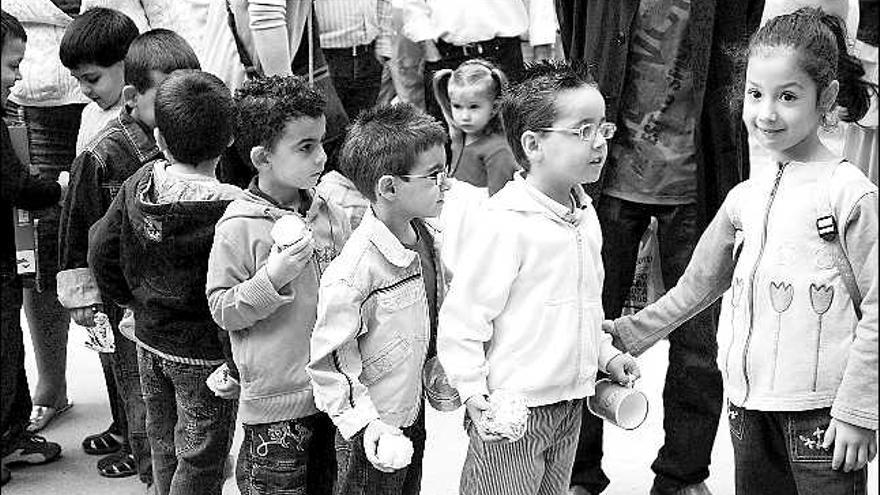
[783, 107]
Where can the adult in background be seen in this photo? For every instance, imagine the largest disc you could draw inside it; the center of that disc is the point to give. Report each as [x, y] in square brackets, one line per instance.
[663, 67]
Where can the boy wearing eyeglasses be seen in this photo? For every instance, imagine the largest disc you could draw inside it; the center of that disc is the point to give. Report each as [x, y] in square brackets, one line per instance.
[524, 311]
[378, 302]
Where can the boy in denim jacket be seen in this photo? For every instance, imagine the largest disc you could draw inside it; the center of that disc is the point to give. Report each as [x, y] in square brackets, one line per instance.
[124, 146]
[378, 300]
[150, 252]
[524, 312]
[266, 295]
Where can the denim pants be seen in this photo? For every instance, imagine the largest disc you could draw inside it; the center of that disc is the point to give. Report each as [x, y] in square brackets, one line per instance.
[356, 75]
[537, 464]
[15, 398]
[692, 395]
[291, 457]
[356, 476]
[780, 453]
[190, 429]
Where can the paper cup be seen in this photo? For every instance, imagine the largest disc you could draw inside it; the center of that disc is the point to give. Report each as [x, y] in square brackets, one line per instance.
[440, 394]
[623, 406]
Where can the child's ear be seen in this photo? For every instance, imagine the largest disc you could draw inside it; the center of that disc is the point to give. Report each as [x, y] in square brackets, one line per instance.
[828, 98]
[129, 95]
[385, 188]
[531, 145]
[260, 157]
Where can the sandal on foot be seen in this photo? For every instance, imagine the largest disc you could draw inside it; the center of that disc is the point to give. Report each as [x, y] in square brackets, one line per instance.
[41, 416]
[101, 444]
[119, 465]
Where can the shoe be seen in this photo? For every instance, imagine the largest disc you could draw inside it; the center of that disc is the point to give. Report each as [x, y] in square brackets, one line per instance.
[118, 465]
[101, 443]
[32, 449]
[5, 475]
[695, 489]
[42, 416]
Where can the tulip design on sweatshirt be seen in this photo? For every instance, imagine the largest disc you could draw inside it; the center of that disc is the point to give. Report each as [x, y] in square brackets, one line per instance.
[821, 297]
[735, 299]
[781, 295]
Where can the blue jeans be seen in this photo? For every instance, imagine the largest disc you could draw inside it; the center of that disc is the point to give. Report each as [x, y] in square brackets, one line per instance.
[780, 453]
[291, 457]
[356, 75]
[15, 398]
[190, 429]
[356, 476]
[692, 395]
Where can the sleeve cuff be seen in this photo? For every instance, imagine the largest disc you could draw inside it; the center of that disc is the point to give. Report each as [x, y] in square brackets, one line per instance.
[854, 417]
[263, 293]
[77, 288]
[470, 389]
[354, 420]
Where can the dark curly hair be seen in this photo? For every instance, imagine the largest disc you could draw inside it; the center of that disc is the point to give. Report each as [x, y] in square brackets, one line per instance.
[265, 105]
[11, 27]
[530, 104]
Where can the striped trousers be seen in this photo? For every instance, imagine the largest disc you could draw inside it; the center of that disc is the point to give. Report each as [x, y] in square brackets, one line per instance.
[537, 464]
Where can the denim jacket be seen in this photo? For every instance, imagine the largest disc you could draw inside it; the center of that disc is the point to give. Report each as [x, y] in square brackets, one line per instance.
[789, 338]
[372, 333]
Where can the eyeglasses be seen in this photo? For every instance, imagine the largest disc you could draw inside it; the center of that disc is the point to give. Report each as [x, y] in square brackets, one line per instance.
[438, 177]
[587, 132]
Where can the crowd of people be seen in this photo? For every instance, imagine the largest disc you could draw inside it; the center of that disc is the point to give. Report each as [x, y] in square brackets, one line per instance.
[310, 219]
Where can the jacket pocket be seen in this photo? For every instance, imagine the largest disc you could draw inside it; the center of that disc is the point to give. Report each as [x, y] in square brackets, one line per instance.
[380, 363]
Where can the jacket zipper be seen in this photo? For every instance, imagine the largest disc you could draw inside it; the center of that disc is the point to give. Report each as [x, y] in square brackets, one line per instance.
[580, 298]
[745, 363]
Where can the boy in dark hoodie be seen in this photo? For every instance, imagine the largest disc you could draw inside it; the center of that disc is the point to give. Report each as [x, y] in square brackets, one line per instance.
[119, 150]
[266, 295]
[150, 252]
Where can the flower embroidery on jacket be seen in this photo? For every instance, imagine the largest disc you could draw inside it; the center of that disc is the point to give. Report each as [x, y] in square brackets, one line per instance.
[781, 295]
[821, 297]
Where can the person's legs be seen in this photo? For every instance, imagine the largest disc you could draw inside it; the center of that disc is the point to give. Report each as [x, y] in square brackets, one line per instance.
[203, 430]
[623, 224]
[321, 476]
[693, 391]
[810, 463]
[128, 383]
[52, 140]
[760, 453]
[276, 458]
[357, 78]
[15, 401]
[161, 409]
[559, 457]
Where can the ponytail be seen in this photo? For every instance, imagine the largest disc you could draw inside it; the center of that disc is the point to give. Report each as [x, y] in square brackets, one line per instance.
[855, 91]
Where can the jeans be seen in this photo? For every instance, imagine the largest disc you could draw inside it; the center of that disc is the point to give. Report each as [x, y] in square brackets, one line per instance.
[537, 464]
[692, 395]
[356, 476]
[190, 429]
[780, 453]
[52, 142]
[15, 398]
[293, 457]
[356, 77]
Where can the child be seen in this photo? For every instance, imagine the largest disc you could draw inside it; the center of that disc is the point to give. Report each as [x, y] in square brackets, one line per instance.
[93, 49]
[150, 252]
[266, 297]
[524, 311]
[800, 364]
[124, 146]
[378, 300]
[470, 97]
[18, 188]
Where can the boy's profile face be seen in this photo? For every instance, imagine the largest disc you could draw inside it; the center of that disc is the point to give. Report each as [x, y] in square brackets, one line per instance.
[103, 85]
[298, 158]
[567, 159]
[419, 194]
[13, 52]
[144, 104]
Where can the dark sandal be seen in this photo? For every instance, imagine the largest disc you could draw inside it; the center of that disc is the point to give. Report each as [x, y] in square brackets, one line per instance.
[101, 444]
[119, 465]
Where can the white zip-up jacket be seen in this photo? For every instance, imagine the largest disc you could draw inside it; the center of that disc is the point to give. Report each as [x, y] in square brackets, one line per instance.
[789, 338]
[524, 311]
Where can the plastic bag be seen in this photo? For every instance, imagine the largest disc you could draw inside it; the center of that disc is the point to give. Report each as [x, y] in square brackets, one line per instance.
[99, 337]
[647, 285]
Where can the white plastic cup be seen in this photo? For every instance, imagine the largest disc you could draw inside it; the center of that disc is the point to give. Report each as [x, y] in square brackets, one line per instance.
[618, 404]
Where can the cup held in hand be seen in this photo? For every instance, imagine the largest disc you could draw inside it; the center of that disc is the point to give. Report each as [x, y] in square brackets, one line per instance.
[287, 230]
[623, 406]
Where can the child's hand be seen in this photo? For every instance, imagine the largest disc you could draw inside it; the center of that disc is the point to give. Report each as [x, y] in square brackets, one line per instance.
[285, 265]
[223, 384]
[372, 432]
[475, 407]
[854, 446]
[624, 369]
[85, 316]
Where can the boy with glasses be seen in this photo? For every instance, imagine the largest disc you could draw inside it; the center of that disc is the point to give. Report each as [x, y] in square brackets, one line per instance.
[524, 312]
[378, 301]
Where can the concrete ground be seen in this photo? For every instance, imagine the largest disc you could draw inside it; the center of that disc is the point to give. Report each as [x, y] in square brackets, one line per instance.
[628, 454]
